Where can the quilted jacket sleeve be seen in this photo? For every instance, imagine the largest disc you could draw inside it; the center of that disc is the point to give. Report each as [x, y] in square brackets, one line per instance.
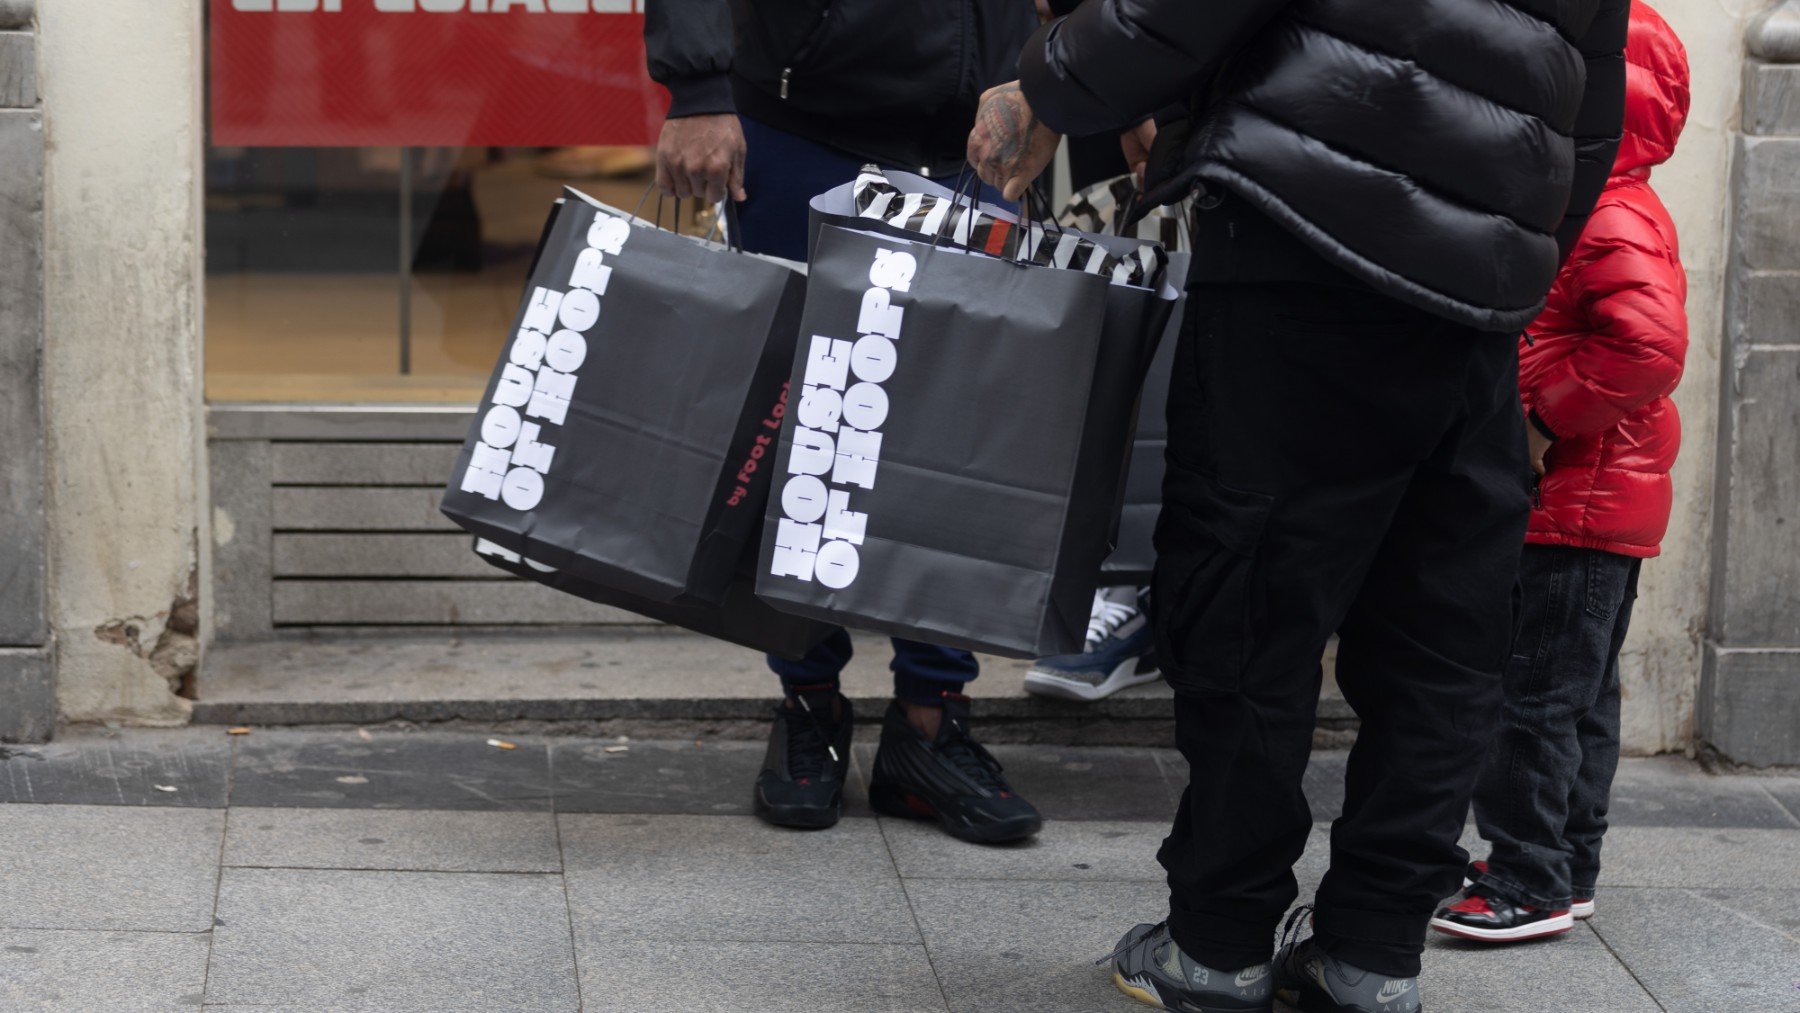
[1598, 123]
[688, 46]
[1111, 63]
[1630, 291]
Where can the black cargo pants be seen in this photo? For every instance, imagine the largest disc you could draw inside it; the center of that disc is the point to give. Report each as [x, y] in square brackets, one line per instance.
[1338, 462]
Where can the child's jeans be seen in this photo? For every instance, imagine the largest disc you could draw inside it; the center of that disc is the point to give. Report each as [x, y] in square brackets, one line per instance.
[1541, 800]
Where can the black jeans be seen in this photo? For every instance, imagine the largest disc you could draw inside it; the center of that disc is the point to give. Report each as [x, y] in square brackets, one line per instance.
[1541, 801]
[1337, 461]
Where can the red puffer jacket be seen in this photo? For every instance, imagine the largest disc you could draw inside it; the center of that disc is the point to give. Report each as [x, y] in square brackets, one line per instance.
[1607, 351]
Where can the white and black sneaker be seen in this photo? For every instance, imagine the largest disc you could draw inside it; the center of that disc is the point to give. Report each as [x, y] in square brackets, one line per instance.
[1118, 653]
[1149, 967]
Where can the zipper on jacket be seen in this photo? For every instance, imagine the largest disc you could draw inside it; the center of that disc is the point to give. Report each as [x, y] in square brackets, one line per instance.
[805, 47]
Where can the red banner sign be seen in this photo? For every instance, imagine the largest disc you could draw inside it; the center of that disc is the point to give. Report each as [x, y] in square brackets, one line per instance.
[509, 73]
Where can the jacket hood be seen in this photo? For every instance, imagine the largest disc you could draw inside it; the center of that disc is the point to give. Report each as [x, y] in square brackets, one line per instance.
[1656, 91]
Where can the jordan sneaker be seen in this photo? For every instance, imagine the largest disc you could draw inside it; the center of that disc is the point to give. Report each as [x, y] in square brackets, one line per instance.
[1149, 967]
[950, 779]
[802, 780]
[1581, 910]
[1482, 915]
[1118, 653]
[1311, 980]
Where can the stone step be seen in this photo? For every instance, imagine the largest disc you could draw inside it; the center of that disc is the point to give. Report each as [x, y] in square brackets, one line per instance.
[637, 681]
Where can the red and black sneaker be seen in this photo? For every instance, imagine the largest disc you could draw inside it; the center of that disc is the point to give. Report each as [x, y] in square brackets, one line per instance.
[950, 779]
[1582, 909]
[1484, 917]
[802, 780]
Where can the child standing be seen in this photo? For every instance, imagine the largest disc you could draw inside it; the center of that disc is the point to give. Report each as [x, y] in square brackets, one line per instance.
[1595, 375]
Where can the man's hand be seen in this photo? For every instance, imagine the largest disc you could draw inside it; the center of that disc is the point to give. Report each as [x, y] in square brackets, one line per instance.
[1008, 146]
[1537, 445]
[701, 156]
[1136, 144]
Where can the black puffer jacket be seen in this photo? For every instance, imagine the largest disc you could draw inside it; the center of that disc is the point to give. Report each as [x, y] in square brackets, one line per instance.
[1445, 151]
[891, 80]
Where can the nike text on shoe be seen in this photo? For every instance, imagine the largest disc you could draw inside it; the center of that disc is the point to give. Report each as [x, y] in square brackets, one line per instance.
[802, 780]
[951, 779]
[1309, 979]
[1581, 910]
[1117, 655]
[1149, 967]
[1482, 915]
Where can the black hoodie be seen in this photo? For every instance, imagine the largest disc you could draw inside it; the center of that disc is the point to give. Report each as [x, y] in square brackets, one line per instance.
[894, 81]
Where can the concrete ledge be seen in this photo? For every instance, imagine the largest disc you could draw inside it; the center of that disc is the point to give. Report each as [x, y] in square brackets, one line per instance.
[27, 694]
[338, 422]
[644, 677]
[1749, 704]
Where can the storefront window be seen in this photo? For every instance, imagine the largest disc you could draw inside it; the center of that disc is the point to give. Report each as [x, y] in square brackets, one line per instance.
[378, 174]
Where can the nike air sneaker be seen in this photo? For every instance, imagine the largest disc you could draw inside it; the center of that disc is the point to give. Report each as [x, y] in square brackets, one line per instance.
[1309, 979]
[802, 780]
[1581, 910]
[1149, 967]
[1117, 654]
[950, 779]
[1481, 914]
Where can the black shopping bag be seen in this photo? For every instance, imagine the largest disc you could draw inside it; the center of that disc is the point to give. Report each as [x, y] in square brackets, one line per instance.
[740, 616]
[949, 464]
[1134, 553]
[624, 435]
[1102, 208]
[1148, 296]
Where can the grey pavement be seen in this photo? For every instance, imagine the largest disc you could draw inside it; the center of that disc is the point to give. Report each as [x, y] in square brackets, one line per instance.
[397, 870]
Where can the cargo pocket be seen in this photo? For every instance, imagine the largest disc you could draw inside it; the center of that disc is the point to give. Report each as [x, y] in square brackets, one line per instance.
[1205, 589]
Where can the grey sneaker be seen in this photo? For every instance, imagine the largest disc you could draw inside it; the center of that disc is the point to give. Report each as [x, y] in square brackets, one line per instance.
[1149, 967]
[1312, 980]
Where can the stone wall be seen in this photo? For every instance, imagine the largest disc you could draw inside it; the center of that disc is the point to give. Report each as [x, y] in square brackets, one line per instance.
[122, 116]
[27, 696]
[1749, 704]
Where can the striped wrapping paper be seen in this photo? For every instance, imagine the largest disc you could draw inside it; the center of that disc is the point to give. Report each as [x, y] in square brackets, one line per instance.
[1103, 206]
[876, 197]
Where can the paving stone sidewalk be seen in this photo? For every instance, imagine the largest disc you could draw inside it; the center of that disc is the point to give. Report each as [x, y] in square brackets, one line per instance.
[323, 870]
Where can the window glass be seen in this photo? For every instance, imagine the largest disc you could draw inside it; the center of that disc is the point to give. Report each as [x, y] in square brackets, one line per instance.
[378, 173]
[311, 294]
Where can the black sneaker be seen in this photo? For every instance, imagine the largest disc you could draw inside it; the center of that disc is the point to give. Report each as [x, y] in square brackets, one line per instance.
[802, 780]
[1483, 915]
[952, 780]
[1309, 979]
[1150, 968]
